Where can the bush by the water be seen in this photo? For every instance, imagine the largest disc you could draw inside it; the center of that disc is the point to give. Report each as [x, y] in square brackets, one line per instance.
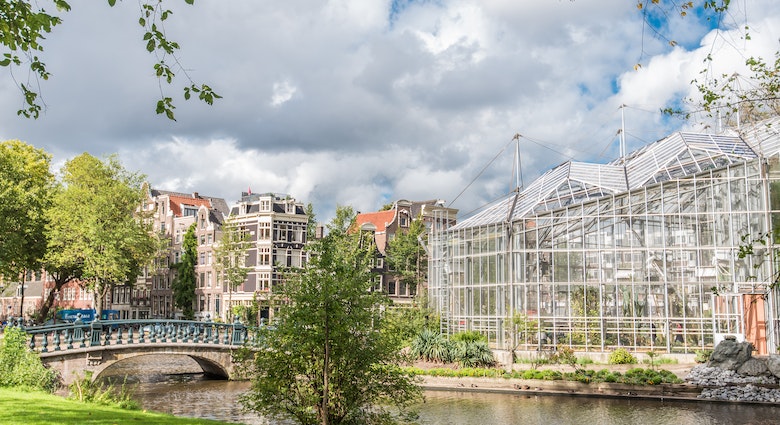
[86, 390]
[621, 356]
[21, 368]
[636, 376]
[469, 349]
[431, 346]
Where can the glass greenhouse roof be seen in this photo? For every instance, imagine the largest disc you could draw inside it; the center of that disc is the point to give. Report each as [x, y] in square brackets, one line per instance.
[679, 155]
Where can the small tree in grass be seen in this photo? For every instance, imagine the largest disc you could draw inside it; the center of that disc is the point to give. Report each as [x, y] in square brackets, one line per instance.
[20, 367]
[326, 360]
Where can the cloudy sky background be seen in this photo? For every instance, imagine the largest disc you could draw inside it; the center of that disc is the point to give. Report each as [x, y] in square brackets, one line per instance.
[360, 103]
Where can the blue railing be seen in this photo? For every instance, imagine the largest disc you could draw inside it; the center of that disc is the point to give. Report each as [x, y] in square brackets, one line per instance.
[69, 336]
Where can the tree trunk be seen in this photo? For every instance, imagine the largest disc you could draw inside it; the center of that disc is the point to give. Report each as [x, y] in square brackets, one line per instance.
[21, 305]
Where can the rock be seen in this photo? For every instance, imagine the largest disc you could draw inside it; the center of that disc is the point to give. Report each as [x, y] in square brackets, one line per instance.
[773, 365]
[753, 367]
[730, 354]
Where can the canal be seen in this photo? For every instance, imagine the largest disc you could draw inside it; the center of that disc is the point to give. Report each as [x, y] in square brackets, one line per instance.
[182, 391]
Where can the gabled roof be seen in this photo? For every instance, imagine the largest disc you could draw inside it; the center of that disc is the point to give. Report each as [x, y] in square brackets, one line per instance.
[177, 203]
[379, 219]
[679, 155]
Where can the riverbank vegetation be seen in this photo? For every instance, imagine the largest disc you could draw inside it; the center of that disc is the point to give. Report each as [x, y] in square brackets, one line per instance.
[635, 376]
[42, 408]
[19, 367]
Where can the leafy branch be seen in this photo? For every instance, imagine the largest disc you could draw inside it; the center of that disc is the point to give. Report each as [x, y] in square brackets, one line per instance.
[24, 25]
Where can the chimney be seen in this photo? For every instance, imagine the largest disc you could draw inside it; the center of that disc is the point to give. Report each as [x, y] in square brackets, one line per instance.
[195, 195]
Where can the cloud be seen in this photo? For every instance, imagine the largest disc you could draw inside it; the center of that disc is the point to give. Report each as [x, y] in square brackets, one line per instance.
[349, 102]
[282, 92]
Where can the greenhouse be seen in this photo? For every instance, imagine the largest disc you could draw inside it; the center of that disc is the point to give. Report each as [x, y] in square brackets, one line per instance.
[668, 248]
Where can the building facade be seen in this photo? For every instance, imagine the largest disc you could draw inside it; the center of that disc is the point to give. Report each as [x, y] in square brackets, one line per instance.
[275, 226]
[667, 249]
[386, 224]
[172, 215]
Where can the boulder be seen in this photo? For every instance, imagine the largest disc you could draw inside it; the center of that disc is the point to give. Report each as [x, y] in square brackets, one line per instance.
[773, 364]
[753, 367]
[730, 354]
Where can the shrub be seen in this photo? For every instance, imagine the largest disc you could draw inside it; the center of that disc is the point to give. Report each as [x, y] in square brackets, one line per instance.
[702, 356]
[473, 353]
[621, 356]
[85, 390]
[431, 346]
[469, 336]
[20, 367]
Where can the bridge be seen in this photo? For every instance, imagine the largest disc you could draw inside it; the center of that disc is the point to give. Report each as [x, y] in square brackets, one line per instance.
[72, 349]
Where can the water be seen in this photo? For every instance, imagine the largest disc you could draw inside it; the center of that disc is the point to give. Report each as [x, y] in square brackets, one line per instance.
[190, 394]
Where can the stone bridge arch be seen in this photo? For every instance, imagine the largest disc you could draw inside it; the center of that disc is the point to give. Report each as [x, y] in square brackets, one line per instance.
[72, 364]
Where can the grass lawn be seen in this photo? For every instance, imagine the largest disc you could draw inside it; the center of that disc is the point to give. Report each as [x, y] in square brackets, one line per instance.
[31, 408]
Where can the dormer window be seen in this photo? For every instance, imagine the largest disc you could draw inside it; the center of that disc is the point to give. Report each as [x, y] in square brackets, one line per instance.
[265, 205]
[403, 221]
[190, 211]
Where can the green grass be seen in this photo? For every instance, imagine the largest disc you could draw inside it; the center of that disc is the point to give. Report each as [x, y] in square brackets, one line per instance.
[34, 408]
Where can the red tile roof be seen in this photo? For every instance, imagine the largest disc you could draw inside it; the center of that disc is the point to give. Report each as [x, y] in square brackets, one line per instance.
[177, 201]
[379, 219]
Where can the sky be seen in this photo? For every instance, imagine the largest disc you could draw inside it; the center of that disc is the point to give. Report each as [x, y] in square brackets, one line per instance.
[363, 102]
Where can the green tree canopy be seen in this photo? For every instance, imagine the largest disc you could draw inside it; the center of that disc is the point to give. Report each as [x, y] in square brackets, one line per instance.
[326, 360]
[26, 187]
[95, 224]
[230, 258]
[184, 284]
[406, 256]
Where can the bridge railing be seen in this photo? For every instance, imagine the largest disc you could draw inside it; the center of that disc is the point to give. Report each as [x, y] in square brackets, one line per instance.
[68, 336]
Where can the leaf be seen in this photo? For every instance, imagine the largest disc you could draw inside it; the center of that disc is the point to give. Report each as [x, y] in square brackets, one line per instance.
[5, 62]
[112, 3]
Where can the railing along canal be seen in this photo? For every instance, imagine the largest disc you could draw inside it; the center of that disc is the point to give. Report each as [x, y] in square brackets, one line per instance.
[70, 336]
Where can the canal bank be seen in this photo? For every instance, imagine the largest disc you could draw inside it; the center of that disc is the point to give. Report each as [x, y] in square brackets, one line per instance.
[682, 391]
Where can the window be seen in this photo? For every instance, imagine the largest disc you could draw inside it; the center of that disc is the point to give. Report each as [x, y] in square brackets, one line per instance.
[209, 239]
[208, 258]
[190, 211]
[202, 280]
[404, 221]
[265, 205]
[264, 230]
[202, 258]
[208, 279]
[203, 239]
[265, 256]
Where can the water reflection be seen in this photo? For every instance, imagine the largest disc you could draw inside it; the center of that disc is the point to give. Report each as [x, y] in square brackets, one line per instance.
[191, 394]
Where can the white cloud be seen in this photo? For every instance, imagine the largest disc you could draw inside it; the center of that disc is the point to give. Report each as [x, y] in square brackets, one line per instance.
[282, 92]
[339, 102]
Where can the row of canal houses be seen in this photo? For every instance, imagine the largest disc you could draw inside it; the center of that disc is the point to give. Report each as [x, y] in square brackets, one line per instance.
[277, 226]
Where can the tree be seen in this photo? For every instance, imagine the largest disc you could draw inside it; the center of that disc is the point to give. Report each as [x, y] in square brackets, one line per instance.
[26, 185]
[95, 224]
[311, 224]
[230, 258]
[406, 256]
[26, 24]
[728, 96]
[737, 98]
[184, 284]
[326, 360]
